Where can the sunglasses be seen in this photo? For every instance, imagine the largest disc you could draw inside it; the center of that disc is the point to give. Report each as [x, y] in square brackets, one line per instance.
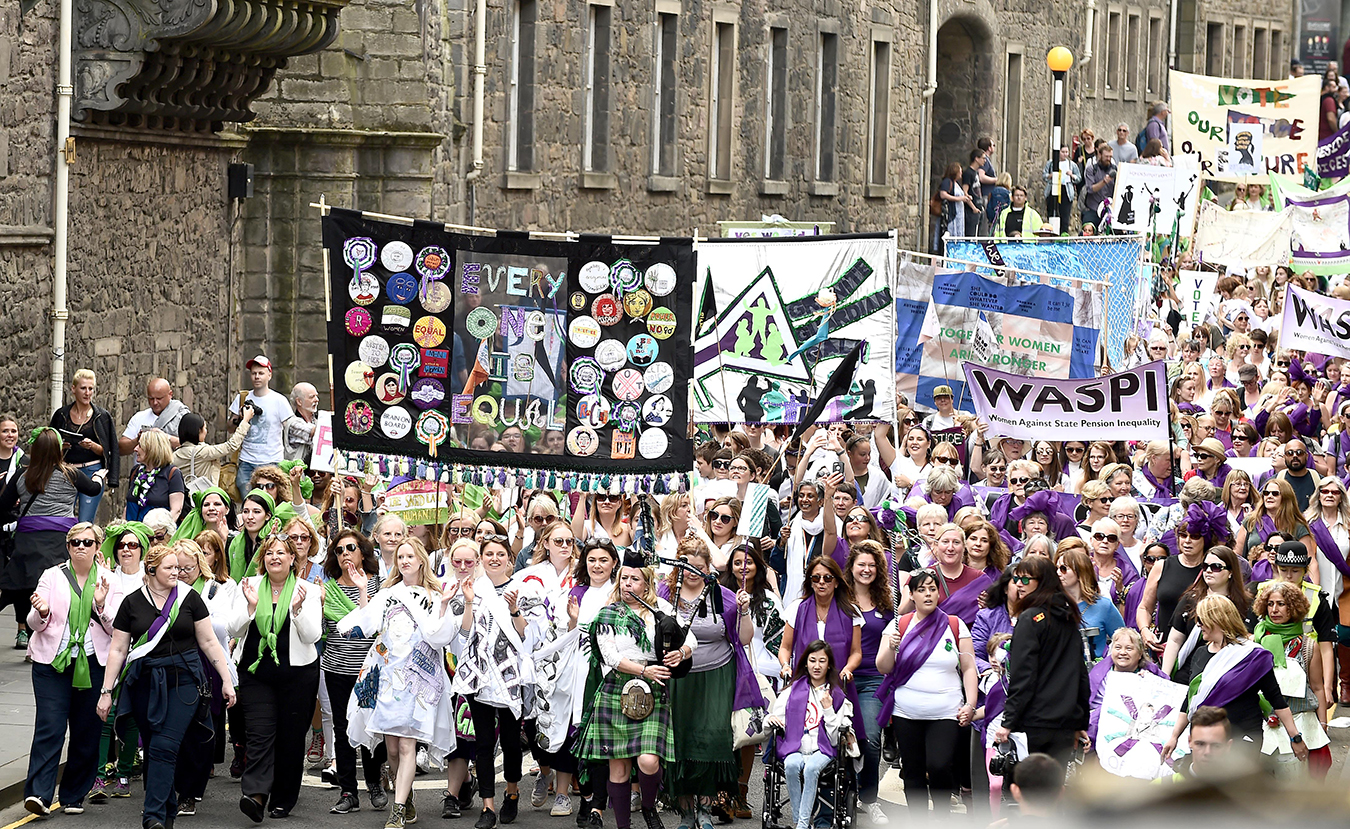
[1330, 491]
[1215, 567]
[266, 485]
[348, 548]
[606, 498]
[298, 537]
[718, 517]
[1152, 559]
[1016, 481]
[128, 545]
[721, 464]
[1112, 537]
[911, 419]
[948, 461]
[822, 578]
[1275, 494]
[1282, 363]
[1272, 547]
[1223, 412]
[1022, 579]
[562, 543]
[1295, 453]
[1074, 450]
[79, 543]
[1063, 568]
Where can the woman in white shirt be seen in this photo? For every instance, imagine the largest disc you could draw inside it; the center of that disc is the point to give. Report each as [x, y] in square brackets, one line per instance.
[929, 663]
[812, 712]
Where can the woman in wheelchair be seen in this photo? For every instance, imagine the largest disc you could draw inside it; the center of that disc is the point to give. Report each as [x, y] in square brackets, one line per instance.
[813, 714]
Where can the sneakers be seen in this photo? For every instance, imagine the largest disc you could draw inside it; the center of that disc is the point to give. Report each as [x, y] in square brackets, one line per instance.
[21, 644]
[378, 799]
[346, 804]
[423, 760]
[187, 806]
[450, 807]
[635, 801]
[396, 820]
[314, 754]
[653, 819]
[562, 806]
[467, 790]
[704, 820]
[122, 788]
[540, 793]
[409, 812]
[76, 808]
[875, 814]
[329, 776]
[510, 807]
[99, 793]
[487, 820]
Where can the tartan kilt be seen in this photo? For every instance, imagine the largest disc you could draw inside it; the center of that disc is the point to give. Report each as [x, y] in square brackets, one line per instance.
[610, 735]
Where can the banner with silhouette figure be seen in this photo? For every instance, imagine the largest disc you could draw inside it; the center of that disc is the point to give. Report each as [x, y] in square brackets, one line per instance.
[784, 313]
[1151, 199]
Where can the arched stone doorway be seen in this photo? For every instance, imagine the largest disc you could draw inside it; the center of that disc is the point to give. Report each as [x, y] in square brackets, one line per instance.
[969, 95]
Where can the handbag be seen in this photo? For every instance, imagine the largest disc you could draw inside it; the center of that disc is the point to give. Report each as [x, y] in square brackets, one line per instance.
[637, 700]
[747, 725]
[935, 204]
[195, 483]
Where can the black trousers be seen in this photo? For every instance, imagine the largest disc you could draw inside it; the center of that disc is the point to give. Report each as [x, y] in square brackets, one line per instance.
[487, 721]
[278, 703]
[339, 692]
[928, 754]
[1057, 742]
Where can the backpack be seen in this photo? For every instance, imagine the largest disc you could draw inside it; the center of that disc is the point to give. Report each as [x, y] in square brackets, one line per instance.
[1141, 139]
[902, 625]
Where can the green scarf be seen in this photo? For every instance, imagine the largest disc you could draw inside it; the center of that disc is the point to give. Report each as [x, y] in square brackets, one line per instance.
[81, 611]
[239, 566]
[193, 523]
[114, 535]
[336, 605]
[1275, 637]
[268, 620]
[200, 584]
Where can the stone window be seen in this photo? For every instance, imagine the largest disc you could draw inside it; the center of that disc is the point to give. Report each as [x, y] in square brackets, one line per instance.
[775, 108]
[879, 115]
[596, 148]
[1157, 58]
[721, 101]
[1113, 83]
[520, 121]
[663, 131]
[1214, 49]
[1279, 63]
[827, 90]
[1012, 114]
[1261, 53]
[1133, 26]
[1240, 54]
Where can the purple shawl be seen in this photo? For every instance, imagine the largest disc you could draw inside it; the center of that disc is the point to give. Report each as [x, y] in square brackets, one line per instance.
[1133, 597]
[964, 603]
[1165, 488]
[1254, 663]
[1327, 545]
[1225, 437]
[1128, 574]
[1046, 501]
[838, 635]
[1220, 475]
[919, 643]
[963, 497]
[1190, 408]
[747, 686]
[1097, 683]
[795, 720]
[1262, 571]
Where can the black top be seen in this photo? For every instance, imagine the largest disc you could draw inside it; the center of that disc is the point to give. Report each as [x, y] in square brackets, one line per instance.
[5, 463]
[1245, 711]
[253, 639]
[167, 482]
[1013, 224]
[77, 454]
[1047, 677]
[1183, 621]
[1175, 579]
[136, 614]
[105, 436]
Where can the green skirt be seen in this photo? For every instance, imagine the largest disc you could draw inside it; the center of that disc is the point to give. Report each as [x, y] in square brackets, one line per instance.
[608, 733]
[700, 705]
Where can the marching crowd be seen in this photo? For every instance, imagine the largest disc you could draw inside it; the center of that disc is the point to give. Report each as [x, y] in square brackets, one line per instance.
[921, 595]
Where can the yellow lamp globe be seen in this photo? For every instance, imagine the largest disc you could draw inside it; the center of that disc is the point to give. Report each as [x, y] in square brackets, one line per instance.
[1059, 59]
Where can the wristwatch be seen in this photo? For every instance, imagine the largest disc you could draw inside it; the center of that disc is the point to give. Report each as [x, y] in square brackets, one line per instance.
[1297, 738]
[102, 691]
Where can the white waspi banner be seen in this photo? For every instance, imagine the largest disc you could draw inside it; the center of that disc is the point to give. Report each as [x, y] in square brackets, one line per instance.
[1131, 405]
[1316, 323]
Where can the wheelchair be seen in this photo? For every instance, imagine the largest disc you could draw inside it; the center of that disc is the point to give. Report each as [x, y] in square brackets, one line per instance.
[836, 792]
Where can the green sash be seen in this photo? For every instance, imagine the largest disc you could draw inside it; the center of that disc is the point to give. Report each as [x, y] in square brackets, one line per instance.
[81, 611]
[269, 621]
[336, 604]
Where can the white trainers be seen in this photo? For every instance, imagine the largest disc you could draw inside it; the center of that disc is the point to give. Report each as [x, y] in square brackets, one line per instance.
[423, 760]
[562, 806]
[875, 814]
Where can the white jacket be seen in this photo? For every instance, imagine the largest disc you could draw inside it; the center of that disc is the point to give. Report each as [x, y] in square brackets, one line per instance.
[304, 630]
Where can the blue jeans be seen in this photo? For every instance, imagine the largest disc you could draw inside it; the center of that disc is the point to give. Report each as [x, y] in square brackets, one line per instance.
[162, 741]
[88, 504]
[59, 704]
[803, 775]
[242, 477]
[870, 738]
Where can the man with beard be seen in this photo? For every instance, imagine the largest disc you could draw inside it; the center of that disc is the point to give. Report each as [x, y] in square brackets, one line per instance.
[1303, 479]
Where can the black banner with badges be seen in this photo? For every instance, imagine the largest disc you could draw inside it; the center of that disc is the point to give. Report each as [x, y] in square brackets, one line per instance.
[510, 352]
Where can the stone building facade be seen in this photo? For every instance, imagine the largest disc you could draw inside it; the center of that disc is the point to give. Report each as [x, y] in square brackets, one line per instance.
[650, 117]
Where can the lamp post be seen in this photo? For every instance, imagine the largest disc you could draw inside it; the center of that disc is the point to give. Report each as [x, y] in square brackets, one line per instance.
[1059, 60]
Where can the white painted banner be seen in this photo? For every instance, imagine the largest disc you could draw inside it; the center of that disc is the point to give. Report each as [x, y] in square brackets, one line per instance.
[1243, 238]
[1197, 295]
[1139, 712]
[1168, 194]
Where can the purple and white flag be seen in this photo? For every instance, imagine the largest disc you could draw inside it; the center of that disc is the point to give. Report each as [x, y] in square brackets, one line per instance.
[1130, 405]
[1317, 323]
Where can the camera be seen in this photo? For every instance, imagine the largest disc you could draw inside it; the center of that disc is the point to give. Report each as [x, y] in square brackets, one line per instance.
[254, 407]
[1004, 762]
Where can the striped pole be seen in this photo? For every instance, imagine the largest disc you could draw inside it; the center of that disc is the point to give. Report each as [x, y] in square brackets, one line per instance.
[1057, 141]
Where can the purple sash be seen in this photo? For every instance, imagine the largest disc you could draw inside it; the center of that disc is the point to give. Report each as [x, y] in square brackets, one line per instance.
[747, 686]
[919, 643]
[1133, 597]
[964, 603]
[163, 618]
[44, 524]
[795, 720]
[838, 630]
[1262, 571]
[1164, 488]
[1254, 664]
[1128, 574]
[1327, 545]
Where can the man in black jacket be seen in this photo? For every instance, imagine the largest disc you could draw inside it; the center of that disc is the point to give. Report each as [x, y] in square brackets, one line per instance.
[1048, 679]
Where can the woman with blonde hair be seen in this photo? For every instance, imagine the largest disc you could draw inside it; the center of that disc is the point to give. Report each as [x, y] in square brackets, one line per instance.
[1098, 612]
[1276, 512]
[1234, 673]
[672, 522]
[154, 482]
[97, 447]
[409, 615]
[604, 515]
